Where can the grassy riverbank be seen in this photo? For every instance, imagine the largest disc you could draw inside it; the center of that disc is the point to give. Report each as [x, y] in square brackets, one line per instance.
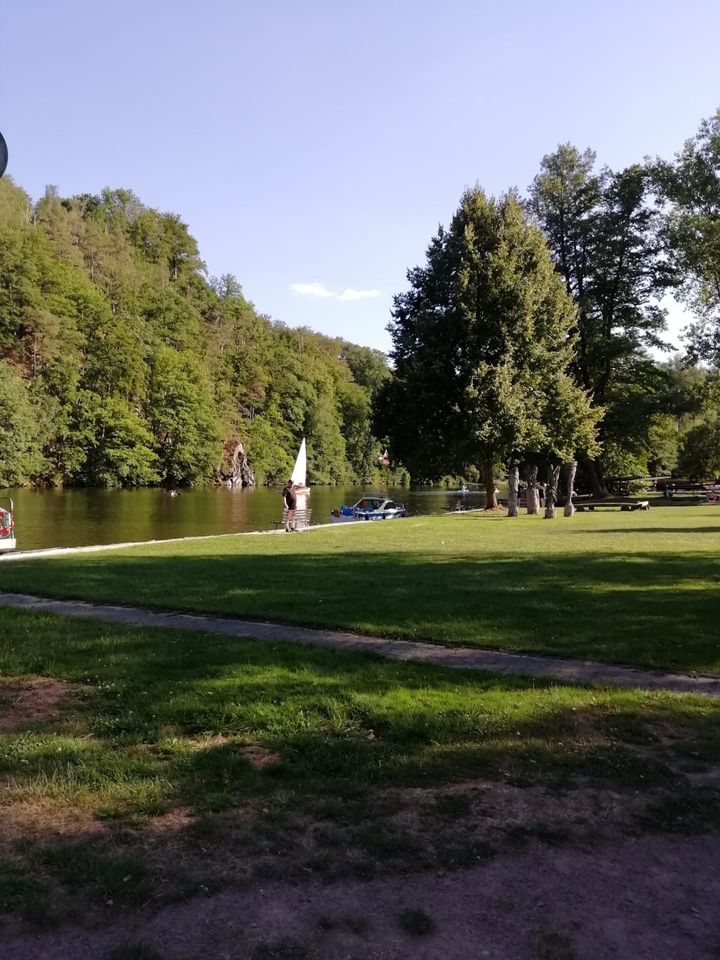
[637, 588]
[141, 767]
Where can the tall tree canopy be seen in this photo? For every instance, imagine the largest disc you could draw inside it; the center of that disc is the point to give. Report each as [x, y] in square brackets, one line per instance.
[606, 238]
[482, 348]
[691, 184]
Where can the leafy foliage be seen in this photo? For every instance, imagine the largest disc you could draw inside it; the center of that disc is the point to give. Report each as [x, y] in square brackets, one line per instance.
[482, 349]
[692, 186]
[698, 435]
[609, 247]
[121, 364]
[700, 452]
[18, 435]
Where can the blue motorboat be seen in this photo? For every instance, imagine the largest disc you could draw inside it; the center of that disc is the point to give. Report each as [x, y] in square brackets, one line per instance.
[370, 507]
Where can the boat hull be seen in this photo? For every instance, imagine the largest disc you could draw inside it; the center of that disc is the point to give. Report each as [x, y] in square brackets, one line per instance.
[373, 516]
[390, 515]
[370, 507]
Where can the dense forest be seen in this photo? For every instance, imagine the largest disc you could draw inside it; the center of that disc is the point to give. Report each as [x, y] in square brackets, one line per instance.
[495, 362]
[121, 363]
[534, 333]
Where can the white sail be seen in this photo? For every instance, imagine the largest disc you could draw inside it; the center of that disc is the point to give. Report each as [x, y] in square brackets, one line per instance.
[299, 474]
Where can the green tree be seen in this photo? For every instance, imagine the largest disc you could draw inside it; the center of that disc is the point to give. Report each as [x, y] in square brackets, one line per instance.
[326, 445]
[700, 451]
[15, 204]
[117, 337]
[368, 367]
[20, 451]
[112, 446]
[183, 419]
[362, 448]
[481, 350]
[608, 246]
[692, 187]
[272, 445]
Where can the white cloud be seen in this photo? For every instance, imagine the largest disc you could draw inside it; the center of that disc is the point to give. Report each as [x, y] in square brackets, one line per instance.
[350, 294]
[316, 289]
[313, 289]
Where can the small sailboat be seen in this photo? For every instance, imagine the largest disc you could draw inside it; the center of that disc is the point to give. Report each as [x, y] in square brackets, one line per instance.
[299, 474]
[300, 487]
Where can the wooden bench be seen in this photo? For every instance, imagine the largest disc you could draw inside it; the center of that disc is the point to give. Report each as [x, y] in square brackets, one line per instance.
[302, 519]
[616, 504]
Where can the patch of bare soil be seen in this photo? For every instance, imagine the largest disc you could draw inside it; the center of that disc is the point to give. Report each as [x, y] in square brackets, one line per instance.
[40, 822]
[25, 704]
[506, 871]
[648, 898]
[259, 756]
[399, 832]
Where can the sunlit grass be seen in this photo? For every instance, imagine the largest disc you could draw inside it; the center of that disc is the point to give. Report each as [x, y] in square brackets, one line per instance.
[639, 588]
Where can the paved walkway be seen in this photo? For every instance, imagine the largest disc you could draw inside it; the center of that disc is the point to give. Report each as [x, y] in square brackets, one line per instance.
[461, 658]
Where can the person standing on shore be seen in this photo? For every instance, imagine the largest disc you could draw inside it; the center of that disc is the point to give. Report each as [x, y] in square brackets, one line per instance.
[290, 501]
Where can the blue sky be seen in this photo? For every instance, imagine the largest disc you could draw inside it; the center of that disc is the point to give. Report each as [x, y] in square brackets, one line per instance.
[313, 146]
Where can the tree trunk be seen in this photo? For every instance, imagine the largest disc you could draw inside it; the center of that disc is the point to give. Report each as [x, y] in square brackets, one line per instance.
[570, 469]
[490, 494]
[533, 503]
[595, 474]
[513, 483]
[242, 473]
[551, 493]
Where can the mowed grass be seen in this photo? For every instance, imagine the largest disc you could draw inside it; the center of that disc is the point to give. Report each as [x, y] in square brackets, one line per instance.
[121, 798]
[637, 588]
[163, 717]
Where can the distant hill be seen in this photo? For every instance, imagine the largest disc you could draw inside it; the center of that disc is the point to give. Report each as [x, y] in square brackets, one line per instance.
[121, 363]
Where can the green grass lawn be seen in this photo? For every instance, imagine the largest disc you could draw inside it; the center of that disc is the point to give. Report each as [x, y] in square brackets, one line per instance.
[637, 588]
[178, 761]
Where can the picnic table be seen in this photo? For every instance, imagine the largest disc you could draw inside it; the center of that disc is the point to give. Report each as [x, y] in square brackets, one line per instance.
[671, 487]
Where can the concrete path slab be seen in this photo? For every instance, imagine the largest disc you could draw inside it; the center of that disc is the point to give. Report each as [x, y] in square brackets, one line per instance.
[461, 658]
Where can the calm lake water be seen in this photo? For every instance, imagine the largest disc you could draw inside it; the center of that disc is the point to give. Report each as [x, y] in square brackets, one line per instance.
[71, 518]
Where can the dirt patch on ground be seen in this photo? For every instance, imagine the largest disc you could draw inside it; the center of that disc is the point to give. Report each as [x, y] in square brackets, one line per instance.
[650, 898]
[25, 704]
[397, 831]
[43, 819]
[27, 824]
[259, 756]
[505, 870]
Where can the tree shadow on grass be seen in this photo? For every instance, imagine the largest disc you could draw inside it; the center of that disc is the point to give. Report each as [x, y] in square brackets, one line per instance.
[174, 711]
[655, 609]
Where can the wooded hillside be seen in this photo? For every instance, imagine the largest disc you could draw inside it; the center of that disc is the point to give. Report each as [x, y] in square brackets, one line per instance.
[122, 363]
